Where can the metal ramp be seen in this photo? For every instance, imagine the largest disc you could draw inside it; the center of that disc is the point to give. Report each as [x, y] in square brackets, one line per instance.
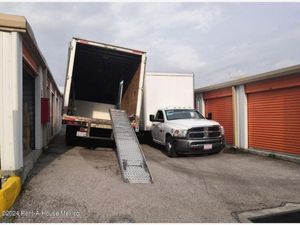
[132, 160]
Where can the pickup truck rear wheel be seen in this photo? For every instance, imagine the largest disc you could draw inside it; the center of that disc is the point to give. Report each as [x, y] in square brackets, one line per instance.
[170, 150]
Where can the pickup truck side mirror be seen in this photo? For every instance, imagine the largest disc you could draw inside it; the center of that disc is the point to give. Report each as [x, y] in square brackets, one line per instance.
[151, 117]
[209, 116]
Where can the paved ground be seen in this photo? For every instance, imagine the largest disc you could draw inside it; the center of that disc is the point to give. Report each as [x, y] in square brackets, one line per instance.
[84, 185]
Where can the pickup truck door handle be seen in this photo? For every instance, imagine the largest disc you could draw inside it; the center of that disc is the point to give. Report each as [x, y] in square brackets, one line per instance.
[161, 130]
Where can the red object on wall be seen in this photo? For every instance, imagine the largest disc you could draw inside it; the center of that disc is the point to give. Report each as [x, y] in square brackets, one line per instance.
[45, 110]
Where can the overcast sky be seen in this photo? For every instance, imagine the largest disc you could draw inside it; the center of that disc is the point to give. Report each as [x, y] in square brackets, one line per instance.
[216, 41]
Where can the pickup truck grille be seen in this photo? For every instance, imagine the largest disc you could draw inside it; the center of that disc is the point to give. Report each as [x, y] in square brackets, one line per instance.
[204, 132]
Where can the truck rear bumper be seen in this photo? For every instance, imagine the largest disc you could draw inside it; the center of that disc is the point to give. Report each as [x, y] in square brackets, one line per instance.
[200, 146]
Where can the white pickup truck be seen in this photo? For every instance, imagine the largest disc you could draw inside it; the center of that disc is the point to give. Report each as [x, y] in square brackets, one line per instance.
[186, 131]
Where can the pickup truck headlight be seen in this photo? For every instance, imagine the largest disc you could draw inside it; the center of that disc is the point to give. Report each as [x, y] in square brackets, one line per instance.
[222, 130]
[181, 133]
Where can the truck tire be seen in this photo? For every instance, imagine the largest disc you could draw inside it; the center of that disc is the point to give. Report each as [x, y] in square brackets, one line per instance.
[170, 150]
[148, 138]
[70, 135]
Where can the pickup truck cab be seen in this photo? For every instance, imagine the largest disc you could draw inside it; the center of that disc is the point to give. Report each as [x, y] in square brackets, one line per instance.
[186, 131]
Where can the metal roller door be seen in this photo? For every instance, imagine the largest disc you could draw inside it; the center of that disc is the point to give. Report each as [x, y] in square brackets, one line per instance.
[30, 71]
[219, 103]
[274, 116]
[28, 112]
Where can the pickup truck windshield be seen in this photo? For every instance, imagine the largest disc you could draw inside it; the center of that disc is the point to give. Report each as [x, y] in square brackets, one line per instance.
[176, 114]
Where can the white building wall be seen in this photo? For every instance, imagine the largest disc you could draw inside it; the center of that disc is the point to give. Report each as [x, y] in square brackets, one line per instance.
[53, 95]
[57, 112]
[241, 117]
[11, 90]
[200, 106]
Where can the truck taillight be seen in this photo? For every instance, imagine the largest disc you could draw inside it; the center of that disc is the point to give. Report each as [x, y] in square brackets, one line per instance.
[69, 118]
[74, 123]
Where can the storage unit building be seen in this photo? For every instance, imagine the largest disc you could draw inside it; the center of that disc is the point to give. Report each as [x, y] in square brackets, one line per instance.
[30, 100]
[264, 109]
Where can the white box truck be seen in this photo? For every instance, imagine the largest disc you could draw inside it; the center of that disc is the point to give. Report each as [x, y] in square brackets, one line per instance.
[170, 119]
[101, 77]
[163, 90]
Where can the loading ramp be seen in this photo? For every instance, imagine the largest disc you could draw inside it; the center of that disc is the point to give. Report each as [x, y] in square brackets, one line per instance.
[132, 160]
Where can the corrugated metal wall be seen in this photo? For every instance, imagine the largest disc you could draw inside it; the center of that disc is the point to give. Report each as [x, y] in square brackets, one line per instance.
[219, 103]
[274, 114]
[11, 119]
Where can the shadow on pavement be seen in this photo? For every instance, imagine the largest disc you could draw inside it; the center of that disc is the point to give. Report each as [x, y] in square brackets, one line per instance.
[57, 147]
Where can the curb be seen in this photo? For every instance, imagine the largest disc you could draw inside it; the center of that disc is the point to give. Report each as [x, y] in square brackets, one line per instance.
[275, 155]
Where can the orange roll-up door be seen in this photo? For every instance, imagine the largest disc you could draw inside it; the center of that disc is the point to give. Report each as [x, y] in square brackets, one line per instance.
[274, 114]
[219, 103]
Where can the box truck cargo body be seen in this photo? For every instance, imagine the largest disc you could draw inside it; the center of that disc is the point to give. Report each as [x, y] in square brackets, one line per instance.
[168, 112]
[166, 90]
[101, 77]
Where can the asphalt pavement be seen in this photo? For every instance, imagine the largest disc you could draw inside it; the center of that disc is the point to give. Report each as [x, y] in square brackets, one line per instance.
[82, 184]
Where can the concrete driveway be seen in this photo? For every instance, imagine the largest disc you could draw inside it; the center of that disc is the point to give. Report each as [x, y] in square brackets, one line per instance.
[77, 184]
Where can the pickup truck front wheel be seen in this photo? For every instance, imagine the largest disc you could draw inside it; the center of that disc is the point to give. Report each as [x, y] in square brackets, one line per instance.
[170, 150]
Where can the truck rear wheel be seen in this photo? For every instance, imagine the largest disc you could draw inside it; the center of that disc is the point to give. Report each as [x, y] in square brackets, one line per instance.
[170, 150]
[70, 135]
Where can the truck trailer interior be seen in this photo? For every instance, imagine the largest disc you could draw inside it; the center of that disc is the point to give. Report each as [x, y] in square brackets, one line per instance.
[98, 75]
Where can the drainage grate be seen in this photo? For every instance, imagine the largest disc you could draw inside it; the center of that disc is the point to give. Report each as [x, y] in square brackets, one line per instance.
[286, 213]
[287, 217]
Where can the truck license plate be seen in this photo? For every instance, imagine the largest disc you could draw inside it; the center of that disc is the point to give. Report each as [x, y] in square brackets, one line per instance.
[80, 134]
[207, 147]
